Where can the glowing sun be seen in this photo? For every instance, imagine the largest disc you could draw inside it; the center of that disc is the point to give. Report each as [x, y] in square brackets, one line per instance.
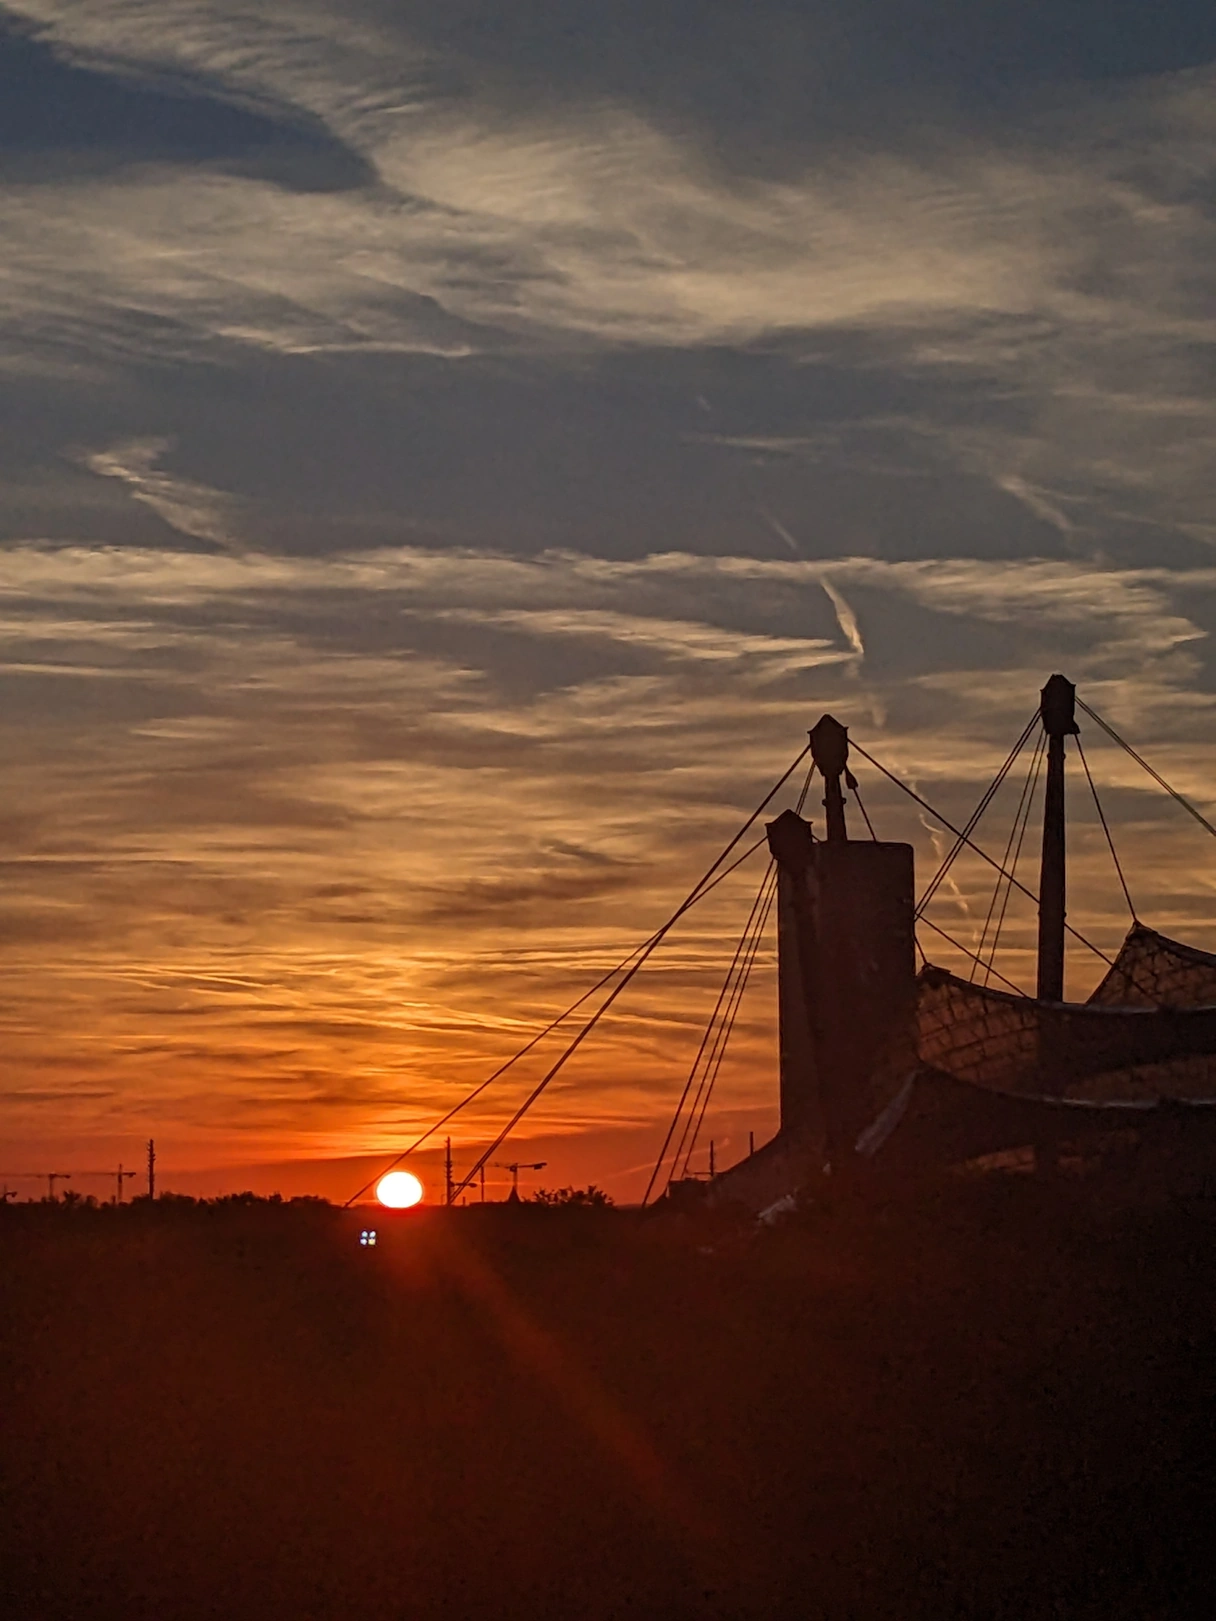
[399, 1190]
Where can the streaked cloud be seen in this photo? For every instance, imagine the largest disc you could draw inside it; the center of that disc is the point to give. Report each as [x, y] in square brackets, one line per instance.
[702, 402]
[190, 508]
[272, 881]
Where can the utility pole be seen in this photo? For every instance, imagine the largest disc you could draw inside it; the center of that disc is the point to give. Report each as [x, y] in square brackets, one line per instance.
[483, 1184]
[1057, 707]
[447, 1172]
[121, 1176]
[151, 1168]
[713, 1169]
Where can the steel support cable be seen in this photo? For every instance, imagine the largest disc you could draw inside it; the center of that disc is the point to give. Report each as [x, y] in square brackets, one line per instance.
[752, 929]
[724, 1034]
[696, 894]
[806, 788]
[555, 1069]
[728, 1027]
[1143, 763]
[997, 888]
[748, 945]
[722, 994]
[705, 1039]
[990, 967]
[977, 814]
[865, 815]
[471, 1097]
[973, 821]
[958, 946]
[1023, 805]
[971, 844]
[1114, 854]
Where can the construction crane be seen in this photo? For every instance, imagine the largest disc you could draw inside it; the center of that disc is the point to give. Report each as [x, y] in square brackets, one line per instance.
[55, 1176]
[515, 1167]
[120, 1176]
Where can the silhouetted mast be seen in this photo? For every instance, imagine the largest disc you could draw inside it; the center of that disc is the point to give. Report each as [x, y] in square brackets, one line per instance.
[1058, 701]
[151, 1169]
[830, 752]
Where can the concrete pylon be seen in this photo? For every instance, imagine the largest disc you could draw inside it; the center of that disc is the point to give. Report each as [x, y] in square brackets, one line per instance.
[846, 955]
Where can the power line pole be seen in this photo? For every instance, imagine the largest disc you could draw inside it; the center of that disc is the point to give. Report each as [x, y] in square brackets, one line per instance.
[151, 1168]
[713, 1169]
[447, 1172]
[483, 1184]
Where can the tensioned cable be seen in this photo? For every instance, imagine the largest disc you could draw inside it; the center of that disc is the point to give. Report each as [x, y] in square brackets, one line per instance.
[865, 815]
[714, 1063]
[973, 821]
[696, 1110]
[1141, 761]
[729, 1026]
[806, 788]
[1000, 887]
[471, 1097]
[748, 942]
[983, 854]
[958, 946]
[705, 1038]
[1114, 854]
[608, 1001]
[990, 967]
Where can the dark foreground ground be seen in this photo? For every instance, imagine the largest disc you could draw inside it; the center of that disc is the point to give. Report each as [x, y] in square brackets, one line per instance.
[993, 1402]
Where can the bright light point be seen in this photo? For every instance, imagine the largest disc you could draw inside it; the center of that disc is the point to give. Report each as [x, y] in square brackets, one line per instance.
[399, 1190]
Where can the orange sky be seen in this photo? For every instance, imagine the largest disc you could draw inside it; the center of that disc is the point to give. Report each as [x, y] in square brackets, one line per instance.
[290, 909]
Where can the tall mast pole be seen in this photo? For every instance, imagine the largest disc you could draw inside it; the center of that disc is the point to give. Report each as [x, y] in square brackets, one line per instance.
[1058, 710]
[830, 752]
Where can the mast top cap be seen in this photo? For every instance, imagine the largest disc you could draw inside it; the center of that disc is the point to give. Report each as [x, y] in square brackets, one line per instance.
[830, 746]
[1057, 705]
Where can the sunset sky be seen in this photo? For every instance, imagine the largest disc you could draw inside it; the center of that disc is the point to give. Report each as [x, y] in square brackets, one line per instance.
[451, 454]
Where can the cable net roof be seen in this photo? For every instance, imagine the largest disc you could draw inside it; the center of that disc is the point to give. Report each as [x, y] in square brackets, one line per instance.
[1152, 970]
[1147, 1033]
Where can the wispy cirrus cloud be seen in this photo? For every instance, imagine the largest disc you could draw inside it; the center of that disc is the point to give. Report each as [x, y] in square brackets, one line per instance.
[274, 870]
[191, 508]
[1050, 268]
[307, 826]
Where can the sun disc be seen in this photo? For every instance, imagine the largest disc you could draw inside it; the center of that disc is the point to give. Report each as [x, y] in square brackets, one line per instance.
[399, 1190]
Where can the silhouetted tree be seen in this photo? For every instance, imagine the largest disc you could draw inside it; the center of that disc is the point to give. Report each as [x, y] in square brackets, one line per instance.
[589, 1197]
